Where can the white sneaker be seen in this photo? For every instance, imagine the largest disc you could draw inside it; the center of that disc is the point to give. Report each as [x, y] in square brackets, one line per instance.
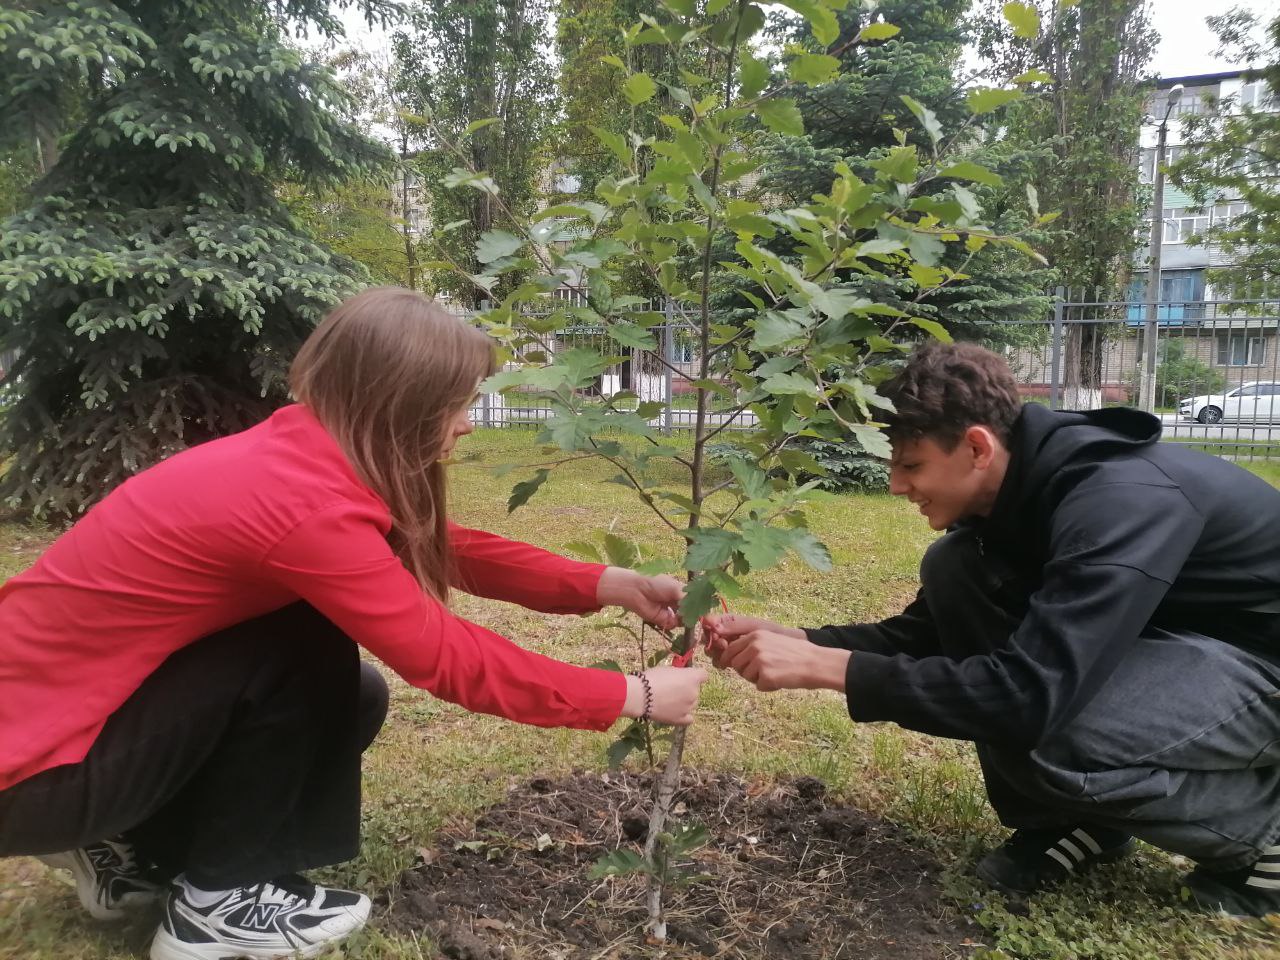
[282, 918]
[108, 878]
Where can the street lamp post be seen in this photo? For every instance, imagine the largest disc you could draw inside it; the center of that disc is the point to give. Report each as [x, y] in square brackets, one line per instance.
[1147, 393]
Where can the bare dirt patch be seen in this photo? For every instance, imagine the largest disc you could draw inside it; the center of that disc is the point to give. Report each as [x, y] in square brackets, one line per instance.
[786, 873]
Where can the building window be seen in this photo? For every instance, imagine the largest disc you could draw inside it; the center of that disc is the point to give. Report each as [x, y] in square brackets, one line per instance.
[1241, 350]
[1183, 223]
[1147, 161]
[1193, 104]
[1226, 212]
[1255, 95]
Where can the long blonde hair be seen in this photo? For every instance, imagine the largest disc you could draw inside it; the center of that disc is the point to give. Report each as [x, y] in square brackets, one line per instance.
[386, 373]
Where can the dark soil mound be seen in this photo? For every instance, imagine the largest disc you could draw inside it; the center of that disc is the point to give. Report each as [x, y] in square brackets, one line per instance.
[785, 874]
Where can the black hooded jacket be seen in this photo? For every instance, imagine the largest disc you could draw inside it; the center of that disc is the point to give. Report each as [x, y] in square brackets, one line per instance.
[1115, 532]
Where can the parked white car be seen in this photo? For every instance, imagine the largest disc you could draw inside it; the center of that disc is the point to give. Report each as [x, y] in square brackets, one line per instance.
[1259, 400]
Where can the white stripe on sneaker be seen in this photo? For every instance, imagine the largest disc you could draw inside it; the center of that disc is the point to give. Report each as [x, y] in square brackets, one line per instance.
[1266, 867]
[1263, 883]
[1061, 859]
[1087, 840]
[1071, 849]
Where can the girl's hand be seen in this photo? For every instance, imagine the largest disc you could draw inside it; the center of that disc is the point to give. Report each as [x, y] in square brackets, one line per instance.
[675, 694]
[654, 599]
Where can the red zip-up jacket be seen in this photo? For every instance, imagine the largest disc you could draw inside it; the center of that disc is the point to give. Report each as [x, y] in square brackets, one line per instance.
[238, 527]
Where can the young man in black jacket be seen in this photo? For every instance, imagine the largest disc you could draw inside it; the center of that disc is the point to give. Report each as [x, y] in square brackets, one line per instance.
[1102, 619]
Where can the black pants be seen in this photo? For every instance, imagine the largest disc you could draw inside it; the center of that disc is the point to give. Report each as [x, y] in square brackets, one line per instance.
[237, 760]
[1180, 746]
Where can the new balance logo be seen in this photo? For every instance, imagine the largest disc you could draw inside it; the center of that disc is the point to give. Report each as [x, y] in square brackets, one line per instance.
[261, 916]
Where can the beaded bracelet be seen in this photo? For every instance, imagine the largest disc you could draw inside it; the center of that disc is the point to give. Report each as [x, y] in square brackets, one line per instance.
[648, 695]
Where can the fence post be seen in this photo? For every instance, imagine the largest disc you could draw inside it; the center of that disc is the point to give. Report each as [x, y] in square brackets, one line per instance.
[1055, 354]
[668, 356]
[486, 399]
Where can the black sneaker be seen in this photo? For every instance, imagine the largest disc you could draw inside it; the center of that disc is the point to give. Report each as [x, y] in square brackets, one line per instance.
[108, 879]
[1250, 892]
[282, 918]
[1031, 860]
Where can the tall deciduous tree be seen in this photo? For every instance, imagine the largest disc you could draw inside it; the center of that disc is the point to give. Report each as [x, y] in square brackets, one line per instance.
[1233, 154]
[845, 119]
[1089, 58]
[481, 70]
[155, 285]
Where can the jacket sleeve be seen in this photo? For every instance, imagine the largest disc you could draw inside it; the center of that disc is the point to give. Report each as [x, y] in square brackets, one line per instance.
[338, 561]
[493, 567]
[911, 632]
[1115, 549]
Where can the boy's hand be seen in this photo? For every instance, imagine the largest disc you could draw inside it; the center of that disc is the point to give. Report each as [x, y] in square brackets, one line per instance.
[718, 629]
[776, 661]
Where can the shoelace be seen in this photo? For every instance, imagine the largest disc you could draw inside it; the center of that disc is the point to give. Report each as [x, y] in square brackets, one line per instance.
[293, 884]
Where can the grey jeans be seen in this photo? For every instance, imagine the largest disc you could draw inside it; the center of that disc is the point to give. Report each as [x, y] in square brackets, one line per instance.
[1180, 746]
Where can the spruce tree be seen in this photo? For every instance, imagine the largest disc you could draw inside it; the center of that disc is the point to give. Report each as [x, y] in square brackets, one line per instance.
[154, 285]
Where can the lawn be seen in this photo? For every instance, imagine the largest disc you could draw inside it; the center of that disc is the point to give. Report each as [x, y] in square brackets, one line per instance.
[435, 765]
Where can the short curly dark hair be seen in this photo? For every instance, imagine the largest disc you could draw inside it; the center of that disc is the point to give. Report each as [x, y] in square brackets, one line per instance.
[945, 388]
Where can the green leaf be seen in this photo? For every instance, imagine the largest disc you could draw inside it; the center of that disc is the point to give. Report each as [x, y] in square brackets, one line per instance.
[763, 546]
[617, 146]
[1024, 19]
[699, 598]
[585, 549]
[621, 551]
[525, 489]
[580, 366]
[753, 481]
[928, 119]
[475, 125]
[710, 548]
[900, 165]
[618, 863]
[822, 21]
[813, 69]
[790, 384]
[968, 170]
[774, 329]
[781, 116]
[797, 462]
[753, 77]
[811, 550]
[926, 248]
[632, 739]
[933, 327]
[1033, 76]
[990, 99]
[629, 335]
[638, 88]
[880, 247]
[873, 441]
[926, 277]
[496, 244]
[878, 31]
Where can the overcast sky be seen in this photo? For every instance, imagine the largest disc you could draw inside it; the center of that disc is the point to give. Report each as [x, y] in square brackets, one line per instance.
[1186, 44]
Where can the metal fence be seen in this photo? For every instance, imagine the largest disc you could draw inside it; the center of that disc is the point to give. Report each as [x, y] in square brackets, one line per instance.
[1216, 383]
[665, 375]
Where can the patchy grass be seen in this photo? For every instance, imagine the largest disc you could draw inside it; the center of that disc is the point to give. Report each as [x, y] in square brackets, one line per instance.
[435, 764]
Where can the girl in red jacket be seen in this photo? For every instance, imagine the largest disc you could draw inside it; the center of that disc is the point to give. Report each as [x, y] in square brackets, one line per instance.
[179, 671]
